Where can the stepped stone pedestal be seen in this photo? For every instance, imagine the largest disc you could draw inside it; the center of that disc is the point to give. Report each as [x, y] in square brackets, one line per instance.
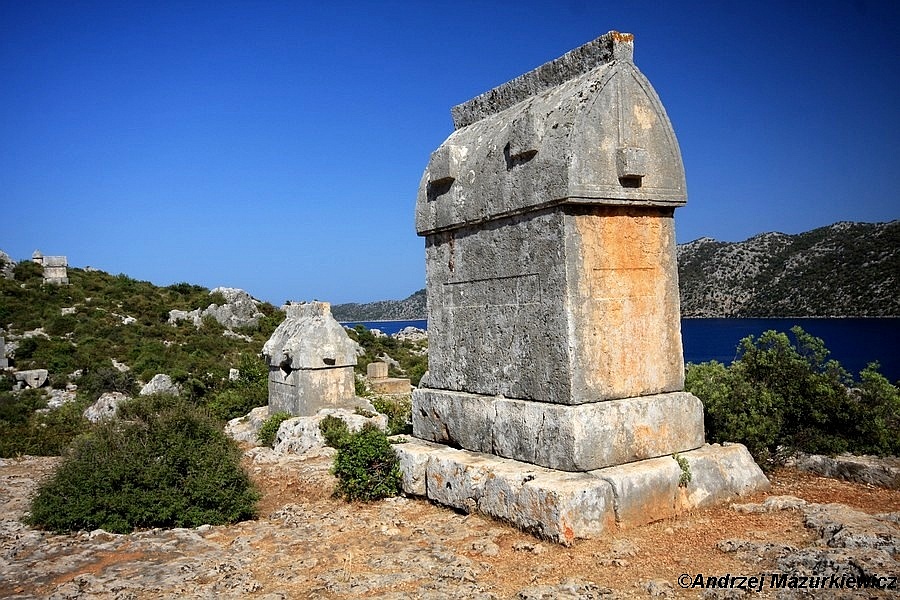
[554, 393]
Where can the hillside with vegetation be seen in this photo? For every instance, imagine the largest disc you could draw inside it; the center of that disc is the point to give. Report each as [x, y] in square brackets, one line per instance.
[843, 270]
[111, 333]
[410, 308]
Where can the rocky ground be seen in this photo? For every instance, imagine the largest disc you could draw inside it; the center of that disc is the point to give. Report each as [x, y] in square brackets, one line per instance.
[307, 544]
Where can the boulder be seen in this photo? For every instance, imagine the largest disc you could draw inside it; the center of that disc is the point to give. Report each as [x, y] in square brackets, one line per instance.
[246, 428]
[871, 470]
[301, 435]
[411, 334]
[161, 384]
[7, 266]
[239, 310]
[105, 407]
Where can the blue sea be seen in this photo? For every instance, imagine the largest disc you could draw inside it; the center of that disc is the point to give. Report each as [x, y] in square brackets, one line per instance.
[852, 342]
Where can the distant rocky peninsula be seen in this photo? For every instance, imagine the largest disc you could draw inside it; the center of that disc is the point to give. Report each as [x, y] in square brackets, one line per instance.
[842, 270]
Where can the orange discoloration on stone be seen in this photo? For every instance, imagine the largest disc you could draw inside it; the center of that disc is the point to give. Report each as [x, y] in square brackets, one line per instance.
[627, 300]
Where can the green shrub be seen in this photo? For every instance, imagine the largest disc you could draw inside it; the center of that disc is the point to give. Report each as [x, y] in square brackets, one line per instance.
[167, 465]
[96, 382]
[266, 434]
[398, 410]
[785, 395]
[367, 467]
[26, 427]
[335, 431]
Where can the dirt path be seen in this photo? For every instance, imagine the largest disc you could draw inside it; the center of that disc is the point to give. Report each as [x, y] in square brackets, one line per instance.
[308, 545]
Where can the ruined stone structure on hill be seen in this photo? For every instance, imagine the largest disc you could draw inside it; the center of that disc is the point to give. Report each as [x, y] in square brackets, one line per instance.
[55, 268]
[554, 332]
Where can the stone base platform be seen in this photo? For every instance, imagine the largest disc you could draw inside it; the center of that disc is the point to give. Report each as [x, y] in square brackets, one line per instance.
[575, 438]
[564, 506]
[391, 386]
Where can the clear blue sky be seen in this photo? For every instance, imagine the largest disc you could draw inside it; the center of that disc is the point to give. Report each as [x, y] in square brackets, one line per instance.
[277, 146]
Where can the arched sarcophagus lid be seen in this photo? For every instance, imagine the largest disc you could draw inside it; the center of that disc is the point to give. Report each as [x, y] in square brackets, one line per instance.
[586, 128]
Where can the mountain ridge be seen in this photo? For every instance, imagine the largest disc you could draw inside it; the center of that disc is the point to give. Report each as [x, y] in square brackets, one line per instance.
[847, 269]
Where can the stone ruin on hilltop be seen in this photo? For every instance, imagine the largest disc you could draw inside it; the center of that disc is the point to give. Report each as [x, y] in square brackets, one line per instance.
[554, 397]
[55, 268]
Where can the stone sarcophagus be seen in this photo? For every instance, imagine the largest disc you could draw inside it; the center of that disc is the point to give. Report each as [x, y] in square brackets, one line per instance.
[553, 316]
[311, 360]
[551, 274]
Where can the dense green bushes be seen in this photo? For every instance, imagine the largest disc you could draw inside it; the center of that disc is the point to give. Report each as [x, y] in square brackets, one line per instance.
[269, 428]
[28, 427]
[785, 394]
[366, 466]
[164, 463]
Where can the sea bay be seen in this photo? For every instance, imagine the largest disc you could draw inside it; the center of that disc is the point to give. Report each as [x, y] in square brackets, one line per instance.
[854, 342]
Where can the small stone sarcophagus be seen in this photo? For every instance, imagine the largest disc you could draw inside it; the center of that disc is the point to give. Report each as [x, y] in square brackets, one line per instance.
[311, 362]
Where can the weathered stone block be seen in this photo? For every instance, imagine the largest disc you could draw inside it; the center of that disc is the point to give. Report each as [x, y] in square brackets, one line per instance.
[33, 378]
[551, 504]
[569, 438]
[644, 491]
[377, 370]
[564, 506]
[391, 386]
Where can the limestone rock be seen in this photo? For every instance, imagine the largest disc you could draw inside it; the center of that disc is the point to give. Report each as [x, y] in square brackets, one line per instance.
[239, 310]
[105, 407]
[411, 334]
[160, 384]
[873, 470]
[7, 266]
[301, 435]
[60, 397]
[246, 428]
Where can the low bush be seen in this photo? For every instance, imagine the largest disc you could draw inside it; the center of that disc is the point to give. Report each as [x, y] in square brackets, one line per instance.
[269, 429]
[27, 427]
[335, 431]
[367, 467]
[163, 464]
[783, 394]
[398, 410]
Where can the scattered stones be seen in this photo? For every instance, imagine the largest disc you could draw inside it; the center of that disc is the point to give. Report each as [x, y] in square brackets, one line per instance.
[771, 504]
[60, 397]
[160, 384]
[849, 542]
